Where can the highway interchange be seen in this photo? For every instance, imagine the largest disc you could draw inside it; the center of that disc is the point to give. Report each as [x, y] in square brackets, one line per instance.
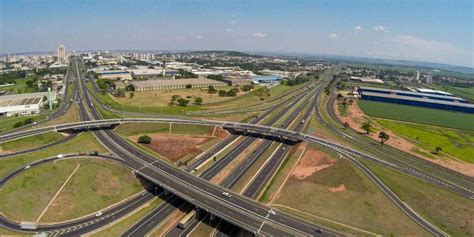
[239, 210]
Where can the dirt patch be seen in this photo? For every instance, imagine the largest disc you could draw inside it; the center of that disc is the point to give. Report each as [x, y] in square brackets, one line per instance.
[340, 188]
[312, 162]
[357, 117]
[175, 147]
[221, 133]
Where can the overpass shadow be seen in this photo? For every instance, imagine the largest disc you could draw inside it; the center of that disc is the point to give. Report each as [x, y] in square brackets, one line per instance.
[262, 136]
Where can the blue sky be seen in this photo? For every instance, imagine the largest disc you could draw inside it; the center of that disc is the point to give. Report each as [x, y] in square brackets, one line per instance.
[428, 30]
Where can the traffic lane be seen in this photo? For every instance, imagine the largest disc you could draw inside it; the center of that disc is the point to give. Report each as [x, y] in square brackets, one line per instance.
[154, 218]
[209, 203]
[237, 173]
[88, 225]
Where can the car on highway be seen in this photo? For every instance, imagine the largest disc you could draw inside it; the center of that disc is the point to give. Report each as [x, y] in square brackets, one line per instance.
[99, 213]
[60, 156]
[27, 167]
[226, 194]
[271, 212]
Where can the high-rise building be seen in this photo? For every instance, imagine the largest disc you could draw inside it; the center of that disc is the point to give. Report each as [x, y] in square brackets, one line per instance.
[417, 75]
[7, 58]
[429, 78]
[61, 54]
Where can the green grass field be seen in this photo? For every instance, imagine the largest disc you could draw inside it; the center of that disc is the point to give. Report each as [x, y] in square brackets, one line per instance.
[96, 185]
[419, 115]
[361, 205]
[446, 210]
[130, 129]
[6, 123]
[175, 110]
[457, 143]
[25, 197]
[83, 143]
[31, 142]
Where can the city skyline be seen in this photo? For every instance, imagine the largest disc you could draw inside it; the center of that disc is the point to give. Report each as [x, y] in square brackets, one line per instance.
[439, 31]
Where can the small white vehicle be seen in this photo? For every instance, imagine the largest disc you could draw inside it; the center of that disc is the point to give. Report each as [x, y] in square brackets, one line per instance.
[284, 148]
[27, 167]
[226, 194]
[99, 213]
[271, 212]
[60, 156]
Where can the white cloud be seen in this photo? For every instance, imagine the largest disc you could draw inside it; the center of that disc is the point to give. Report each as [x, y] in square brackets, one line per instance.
[425, 44]
[333, 35]
[380, 29]
[234, 21]
[180, 37]
[259, 35]
[228, 29]
[198, 36]
[358, 28]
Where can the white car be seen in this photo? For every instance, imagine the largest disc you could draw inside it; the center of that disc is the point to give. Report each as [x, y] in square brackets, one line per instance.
[27, 167]
[226, 194]
[60, 156]
[99, 213]
[271, 212]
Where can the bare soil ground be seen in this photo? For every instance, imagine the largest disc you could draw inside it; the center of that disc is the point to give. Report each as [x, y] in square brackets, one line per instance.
[221, 133]
[312, 162]
[357, 117]
[175, 147]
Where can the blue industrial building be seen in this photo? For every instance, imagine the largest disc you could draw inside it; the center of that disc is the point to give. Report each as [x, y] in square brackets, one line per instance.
[416, 99]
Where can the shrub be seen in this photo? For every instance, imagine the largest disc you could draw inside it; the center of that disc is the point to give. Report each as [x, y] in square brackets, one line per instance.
[144, 139]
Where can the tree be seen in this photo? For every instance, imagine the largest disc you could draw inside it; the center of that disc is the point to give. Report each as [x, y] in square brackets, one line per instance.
[175, 97]
[247, 87]
[198, 100]
[144, 139]
[189, 86]
[438, 149]
[183, 102]
[383, 137]
[120, 93]
[130, 87]
[222, 93]
[132, 95]
[366, 126]
[211, 90]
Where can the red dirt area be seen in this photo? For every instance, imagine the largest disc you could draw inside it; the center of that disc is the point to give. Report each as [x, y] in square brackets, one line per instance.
[312, 162]
[175, 147]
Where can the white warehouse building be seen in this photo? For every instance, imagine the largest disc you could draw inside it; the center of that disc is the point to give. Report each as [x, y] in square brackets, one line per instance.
[21, 104]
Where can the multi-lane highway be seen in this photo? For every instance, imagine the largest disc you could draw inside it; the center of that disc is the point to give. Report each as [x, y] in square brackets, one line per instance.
[240, 211]
[245, 213]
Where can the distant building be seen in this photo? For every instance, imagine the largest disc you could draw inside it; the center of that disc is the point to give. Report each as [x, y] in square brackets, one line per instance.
[416, 77]
[115, 75]
[145, 73]
[265, 79]
[433, 101]
[21, 104]
[170, 84]
[236, 81]
[61, 54]
[7, 58]
[366, 80]
[429, 78]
